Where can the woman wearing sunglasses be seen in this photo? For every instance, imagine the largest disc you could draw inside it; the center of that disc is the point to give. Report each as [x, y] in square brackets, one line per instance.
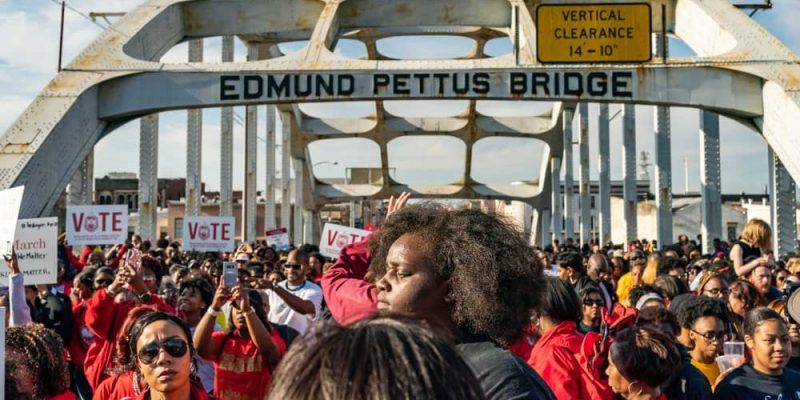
[553, 356]
[592, 308]
[163, 350]
[706, 322]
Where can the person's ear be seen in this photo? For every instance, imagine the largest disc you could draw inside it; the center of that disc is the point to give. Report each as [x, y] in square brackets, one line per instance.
[749, 342]
[449, 298]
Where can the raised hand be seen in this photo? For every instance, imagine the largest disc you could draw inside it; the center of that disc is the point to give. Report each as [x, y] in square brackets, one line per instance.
[220, 297]
[12, 263]
[241, 297]
[397, 204]
[120, 279]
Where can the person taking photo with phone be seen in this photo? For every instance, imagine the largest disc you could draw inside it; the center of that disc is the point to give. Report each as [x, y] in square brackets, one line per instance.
[244, 356]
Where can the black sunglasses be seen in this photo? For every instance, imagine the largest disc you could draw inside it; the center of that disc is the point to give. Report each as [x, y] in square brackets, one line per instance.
[590, 302]
[292, 266]
[713, 336]
[103, 282]
[175, 347]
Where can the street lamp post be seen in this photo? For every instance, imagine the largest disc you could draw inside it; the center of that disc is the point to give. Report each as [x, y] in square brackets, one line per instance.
[325, 162]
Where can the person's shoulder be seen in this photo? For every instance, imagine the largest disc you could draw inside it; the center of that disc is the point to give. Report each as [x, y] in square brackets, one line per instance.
[310, 291]
[733, 379]
[312, 286]
[791, 375]
[502, 374]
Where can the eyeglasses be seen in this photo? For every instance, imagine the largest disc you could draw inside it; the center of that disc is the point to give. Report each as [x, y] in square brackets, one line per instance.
[716, 291]
[292, 266]
[103, 282]
[590, 302]
[713, 336]
[175, 347]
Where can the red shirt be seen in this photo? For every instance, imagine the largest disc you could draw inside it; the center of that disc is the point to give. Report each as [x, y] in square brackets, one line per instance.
[553, 357]
[197, 393]
[241, 372]
[115, 387]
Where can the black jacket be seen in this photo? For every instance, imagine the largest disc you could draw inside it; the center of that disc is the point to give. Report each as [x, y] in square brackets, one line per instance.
[689, 383]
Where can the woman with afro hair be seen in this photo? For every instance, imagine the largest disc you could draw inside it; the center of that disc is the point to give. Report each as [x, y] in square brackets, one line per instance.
[35, 364]
[467, 271]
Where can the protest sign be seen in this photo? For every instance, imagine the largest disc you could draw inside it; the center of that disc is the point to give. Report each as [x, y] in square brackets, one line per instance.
[334, 237]
[36, 246]
[10, 201]
[209, 233]
[91, 225]
[278, 238]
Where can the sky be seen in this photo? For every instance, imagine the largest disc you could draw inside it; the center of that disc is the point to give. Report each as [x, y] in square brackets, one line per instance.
[28, 61]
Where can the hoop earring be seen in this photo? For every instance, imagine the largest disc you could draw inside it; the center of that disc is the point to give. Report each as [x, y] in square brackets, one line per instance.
[137, 383]
[193, 368]
[633, 383]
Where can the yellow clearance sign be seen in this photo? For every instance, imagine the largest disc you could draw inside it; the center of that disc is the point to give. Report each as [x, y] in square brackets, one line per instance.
[583, 33]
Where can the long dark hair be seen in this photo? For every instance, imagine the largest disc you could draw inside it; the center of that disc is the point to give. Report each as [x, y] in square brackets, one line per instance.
[123, 358]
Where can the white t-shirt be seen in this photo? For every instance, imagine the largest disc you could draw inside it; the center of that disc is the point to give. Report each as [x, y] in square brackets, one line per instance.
[280, 312]
[205, 368]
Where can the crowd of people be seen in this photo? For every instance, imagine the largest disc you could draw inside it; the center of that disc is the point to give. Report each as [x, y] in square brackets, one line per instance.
[436, 304]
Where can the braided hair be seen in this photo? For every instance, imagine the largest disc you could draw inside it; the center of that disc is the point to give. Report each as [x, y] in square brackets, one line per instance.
[41, 352]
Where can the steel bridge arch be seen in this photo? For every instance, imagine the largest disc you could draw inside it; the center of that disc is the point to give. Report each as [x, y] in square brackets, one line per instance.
[741, 72]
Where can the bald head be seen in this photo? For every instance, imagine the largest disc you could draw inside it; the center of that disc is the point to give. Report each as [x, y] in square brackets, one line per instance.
[597, 268]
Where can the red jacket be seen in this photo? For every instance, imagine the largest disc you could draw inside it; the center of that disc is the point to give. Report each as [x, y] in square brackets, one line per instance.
[105, 318]
[82, 338]
[524, 345]
[554, 358]
[347, 295]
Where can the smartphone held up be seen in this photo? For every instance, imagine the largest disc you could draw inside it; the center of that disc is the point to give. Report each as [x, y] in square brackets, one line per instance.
[230, 274]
